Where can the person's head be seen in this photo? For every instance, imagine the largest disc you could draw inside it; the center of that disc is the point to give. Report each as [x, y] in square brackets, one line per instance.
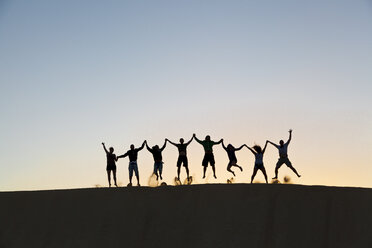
[132, 147]
[230, 147]
[281, 142]
[257, 148]
[181, 141]
[156, 147]
[208, 137]
[111, 150]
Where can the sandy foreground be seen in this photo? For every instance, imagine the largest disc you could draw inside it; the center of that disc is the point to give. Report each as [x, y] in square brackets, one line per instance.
[235, 215]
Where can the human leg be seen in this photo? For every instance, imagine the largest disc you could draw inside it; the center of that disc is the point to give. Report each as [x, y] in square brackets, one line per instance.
[136, 172]
[264, 172]
[290, 166]
[229, 165]
[130, 168]
[114, 175]
[278, 165]
[205, 164]
[254, 173]
[109, 177]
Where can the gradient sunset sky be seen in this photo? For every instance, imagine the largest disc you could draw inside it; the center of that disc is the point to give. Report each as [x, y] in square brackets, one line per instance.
[76, 73]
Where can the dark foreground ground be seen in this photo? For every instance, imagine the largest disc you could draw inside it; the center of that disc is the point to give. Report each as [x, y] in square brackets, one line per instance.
[235, 215]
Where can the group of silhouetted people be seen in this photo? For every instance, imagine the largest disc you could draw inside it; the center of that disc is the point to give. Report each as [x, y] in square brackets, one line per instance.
[208, 159]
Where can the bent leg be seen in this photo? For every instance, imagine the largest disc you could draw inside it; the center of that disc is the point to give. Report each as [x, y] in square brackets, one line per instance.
[229, 165]
[278, 165]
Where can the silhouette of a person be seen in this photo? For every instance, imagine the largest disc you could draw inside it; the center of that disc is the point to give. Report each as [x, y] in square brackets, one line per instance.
[283, 155]
[182, 156]
[158, 159]
[230, 149]
[111, 165]
[133, 166]
[208, 156]
[258, 164]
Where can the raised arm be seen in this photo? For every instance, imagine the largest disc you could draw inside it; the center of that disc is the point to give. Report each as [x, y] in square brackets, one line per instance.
[198, 140]
[263, 151]
[223, 145]
[290, 136]
[143, 145]
[104, 147]
[165, 144]
[237, 149]
[171, 142]
[251, 149]
[148, 148]
[219, 142]
[188, 143]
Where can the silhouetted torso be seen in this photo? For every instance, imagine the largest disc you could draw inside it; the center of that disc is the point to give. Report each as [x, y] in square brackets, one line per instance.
[208, 144]
[231, 154]
[132, 154]
[283, 151]
[111, 159]
[259, 158]
[157, 155]
[182, 149]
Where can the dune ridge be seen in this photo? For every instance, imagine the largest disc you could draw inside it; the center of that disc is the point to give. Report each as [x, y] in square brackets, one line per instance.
[212, 215]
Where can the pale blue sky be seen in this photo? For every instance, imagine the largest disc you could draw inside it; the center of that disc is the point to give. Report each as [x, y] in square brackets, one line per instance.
[75, 73]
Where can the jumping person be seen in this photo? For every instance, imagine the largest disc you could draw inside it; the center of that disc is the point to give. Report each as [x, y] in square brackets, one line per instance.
[208, 156]
[283, 155]
[258, 164]
[158, 159]
[111, 166]
[182, 156]
[133, 166]
[230, 149]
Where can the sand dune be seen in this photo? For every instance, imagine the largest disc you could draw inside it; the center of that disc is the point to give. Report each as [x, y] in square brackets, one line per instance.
[234, 215]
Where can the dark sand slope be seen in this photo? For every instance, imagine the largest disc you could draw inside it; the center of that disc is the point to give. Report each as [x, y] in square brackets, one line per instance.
[189, 216]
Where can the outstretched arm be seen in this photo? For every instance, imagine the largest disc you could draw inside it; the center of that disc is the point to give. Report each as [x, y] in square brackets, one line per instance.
[219, 142]
[122, 156]
[171, 142]
[104, 147]
[165, 144]
[237, 149]
[251, 149]
[263, 151]
[188, 143]
[273, 143]
[198, 140]
[290, 136]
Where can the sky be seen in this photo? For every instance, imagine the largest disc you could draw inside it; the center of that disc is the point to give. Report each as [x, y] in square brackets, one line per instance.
[74, 74]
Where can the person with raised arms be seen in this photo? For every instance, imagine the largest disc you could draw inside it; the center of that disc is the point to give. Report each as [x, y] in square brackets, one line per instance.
[133, 166]
[208, 156]
[258, 164]
[230, 149]
[158, 159]
[283, 155]
[111, 166]
[182, 156]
